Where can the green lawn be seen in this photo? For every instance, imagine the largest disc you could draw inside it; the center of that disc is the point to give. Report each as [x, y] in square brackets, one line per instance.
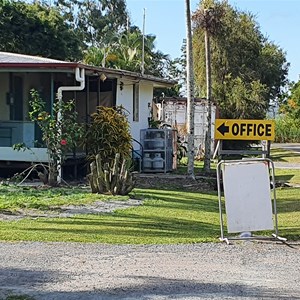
[288, 207]
[281, 155]
[286, 175]
[167, 216]
[291, 176]
[282, 175]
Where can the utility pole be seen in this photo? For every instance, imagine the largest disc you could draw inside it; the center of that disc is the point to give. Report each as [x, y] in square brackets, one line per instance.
[143, 44]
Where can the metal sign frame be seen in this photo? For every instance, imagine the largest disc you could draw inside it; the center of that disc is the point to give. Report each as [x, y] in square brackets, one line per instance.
[275, 235]
[259, 150]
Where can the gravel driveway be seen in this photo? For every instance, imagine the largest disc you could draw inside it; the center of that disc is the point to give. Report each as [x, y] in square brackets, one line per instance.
[245, 270]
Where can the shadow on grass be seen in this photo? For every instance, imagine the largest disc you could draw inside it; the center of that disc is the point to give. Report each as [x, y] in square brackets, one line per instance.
[167, 216]
[182, 170]
[291, 233]
[164, 216]
[288, 200]
[189, 201]
[131, 225]
[287, 206]
[281, 155]
[284, 178]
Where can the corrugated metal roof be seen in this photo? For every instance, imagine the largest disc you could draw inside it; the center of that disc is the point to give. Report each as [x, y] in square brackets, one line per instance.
[20, 61]
[7, 57]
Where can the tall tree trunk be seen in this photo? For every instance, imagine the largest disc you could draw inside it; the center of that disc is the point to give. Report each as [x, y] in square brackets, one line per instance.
[190, 91]
[208, 97]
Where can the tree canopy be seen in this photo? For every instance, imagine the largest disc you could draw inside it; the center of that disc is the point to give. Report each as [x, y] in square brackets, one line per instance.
[248, 71]
[36, 29]
[288, 121]
[124, 51]
[97, 21]
[97, 32]
[290, 105]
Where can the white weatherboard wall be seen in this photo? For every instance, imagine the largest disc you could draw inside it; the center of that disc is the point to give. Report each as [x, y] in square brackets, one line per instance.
[174, 114]
[247, 196]
[28, 155]
[125, 98]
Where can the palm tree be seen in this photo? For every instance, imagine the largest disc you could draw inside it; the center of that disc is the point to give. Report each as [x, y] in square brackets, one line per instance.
[190, 91]
[124, 51]
[209, 20]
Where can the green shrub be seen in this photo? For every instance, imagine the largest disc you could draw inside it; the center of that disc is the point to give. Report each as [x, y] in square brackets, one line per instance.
[61, 133]
[108, 142]
[287, 130]
[108, 134]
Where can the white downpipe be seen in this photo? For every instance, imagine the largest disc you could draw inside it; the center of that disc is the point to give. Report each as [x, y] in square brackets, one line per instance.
[80, 77]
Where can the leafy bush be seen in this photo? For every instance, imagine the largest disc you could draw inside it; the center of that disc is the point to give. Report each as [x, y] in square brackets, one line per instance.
[108, 134]
[60, 134]
[108, 141]
[287, 130]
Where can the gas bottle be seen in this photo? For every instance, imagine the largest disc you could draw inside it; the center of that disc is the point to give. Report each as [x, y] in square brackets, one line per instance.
[147, 161]
[158, 162]
[158, 142]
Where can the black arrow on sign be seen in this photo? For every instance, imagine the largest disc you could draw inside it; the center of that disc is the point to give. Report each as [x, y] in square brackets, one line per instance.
[223, 129]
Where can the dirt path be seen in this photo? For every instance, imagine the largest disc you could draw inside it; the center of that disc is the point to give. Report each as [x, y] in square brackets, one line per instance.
[67, 211]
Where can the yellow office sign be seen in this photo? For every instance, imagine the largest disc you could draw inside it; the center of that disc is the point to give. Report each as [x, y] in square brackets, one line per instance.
[244, 130]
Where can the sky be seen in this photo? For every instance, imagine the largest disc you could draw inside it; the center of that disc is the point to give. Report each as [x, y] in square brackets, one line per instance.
[278, 19]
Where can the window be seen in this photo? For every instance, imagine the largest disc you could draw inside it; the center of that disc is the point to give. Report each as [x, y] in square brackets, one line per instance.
[136, 102]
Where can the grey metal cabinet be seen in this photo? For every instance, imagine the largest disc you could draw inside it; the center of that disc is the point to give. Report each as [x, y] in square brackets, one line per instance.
[157, 150]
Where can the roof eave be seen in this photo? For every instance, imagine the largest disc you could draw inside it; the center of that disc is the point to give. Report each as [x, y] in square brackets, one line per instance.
[39, 65]
[158, 82]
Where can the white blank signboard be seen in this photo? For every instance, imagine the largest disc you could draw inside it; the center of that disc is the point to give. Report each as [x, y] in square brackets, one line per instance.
[247, 196]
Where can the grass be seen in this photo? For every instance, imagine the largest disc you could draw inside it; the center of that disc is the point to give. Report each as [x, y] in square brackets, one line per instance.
[281, 155]
[288, 207]
[198, 167]
[19, 297]
[14, 197]
[166, 217]
[291, 176]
